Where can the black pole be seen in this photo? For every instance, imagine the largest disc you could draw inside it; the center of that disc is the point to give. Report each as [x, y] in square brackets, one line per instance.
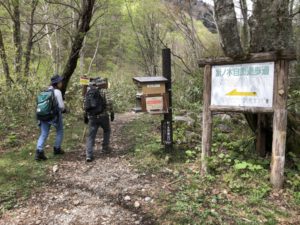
[167, 123]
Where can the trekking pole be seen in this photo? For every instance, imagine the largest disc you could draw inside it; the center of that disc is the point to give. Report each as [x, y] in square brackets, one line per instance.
[84, 81]
[84, 133]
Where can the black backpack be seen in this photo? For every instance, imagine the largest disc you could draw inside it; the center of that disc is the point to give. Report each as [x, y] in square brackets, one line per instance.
[94, 103]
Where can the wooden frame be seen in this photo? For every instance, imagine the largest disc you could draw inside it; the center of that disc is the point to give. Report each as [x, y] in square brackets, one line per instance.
[279, 108]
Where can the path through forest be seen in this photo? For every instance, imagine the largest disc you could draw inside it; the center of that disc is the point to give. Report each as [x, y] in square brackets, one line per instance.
[107, 191]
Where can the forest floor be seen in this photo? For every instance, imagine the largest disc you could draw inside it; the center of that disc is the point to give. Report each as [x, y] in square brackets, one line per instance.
[106, 191]
[138, 183]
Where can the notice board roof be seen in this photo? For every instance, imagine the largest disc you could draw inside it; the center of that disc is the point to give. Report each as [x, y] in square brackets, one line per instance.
[150, 79]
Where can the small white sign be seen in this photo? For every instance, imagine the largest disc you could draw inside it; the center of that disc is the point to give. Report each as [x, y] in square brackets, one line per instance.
[153, 85]
[249, 85]
[154, 103]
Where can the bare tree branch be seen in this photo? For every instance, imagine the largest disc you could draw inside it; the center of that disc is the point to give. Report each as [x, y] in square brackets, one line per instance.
[188, 71]
[96, 50]
[137, 37]
[64, 4]
[7, 8]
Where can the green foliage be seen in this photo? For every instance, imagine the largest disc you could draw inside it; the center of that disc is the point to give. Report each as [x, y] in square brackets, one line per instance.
[20, 174]
[11, 140]
[246, 165]
[236, 190]
[144, 145]
[297, 197]
[179, 134]
[191, 154]
[187, 91]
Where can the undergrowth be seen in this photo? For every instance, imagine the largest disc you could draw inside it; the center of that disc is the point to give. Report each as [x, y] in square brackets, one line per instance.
[235, 191]
[20, 174]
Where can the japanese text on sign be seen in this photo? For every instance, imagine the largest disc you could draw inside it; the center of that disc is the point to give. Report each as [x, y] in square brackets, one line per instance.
[243, 70]
[249, 85]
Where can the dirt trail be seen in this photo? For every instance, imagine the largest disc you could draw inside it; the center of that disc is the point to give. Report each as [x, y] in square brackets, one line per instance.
[92, 193]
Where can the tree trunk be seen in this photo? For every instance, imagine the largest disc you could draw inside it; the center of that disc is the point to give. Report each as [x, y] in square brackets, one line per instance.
[29, 40]
[96, 49]
[50, 47]
[82, 56]
[17, 37]
[83, 28]
[291, 7]
[270, 26]
[57, 51]
[227, 26]
[3, 56]
[45, 8]
[245, 32]
[270, 30]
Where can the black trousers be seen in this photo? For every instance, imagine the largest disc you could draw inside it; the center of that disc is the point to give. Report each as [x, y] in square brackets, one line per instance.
[94, 124]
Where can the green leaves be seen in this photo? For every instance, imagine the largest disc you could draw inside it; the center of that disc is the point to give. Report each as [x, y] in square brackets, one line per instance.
[246, 165]
[241, 166]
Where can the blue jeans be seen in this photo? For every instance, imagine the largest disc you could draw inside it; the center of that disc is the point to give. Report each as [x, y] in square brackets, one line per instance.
[45, 129]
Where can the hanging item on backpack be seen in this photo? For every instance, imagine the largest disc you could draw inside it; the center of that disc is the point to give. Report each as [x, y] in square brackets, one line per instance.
[94, 103]
[47, 107]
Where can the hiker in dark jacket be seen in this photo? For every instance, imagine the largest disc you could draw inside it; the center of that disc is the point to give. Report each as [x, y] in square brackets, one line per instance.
[101, 119]
[57, 122]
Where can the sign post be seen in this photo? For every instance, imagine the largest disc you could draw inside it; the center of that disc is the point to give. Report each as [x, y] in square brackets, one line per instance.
[167, 123]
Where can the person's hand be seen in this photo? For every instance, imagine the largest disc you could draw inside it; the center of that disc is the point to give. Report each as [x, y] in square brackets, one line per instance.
[112, 116]
[66, 110]
[85, 119]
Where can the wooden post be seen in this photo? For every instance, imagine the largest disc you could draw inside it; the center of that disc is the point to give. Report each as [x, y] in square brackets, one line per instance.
[168, 117]
[207, 120]
[279, 124]
[261, 135]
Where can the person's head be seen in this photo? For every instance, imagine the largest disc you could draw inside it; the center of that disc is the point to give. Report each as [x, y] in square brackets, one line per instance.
[56, 81]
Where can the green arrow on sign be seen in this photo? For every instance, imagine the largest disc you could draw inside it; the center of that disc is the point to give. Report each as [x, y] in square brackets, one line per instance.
[234, 92]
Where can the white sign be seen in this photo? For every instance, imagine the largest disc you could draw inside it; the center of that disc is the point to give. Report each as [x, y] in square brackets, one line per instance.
[249, 85]
[153, 85]
[154, 103]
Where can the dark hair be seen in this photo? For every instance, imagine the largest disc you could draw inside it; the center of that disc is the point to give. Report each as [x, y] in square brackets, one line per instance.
[54, 85]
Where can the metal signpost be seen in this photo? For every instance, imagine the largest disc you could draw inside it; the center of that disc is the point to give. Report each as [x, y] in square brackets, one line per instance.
[167, 123]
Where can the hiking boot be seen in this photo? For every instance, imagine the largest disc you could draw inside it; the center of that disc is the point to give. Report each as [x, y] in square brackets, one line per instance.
[40, 156]
[106, 149]
[58, 151]
[89, 159]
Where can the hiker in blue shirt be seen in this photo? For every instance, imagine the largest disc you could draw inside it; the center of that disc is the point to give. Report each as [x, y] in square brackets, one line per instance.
[57, 122]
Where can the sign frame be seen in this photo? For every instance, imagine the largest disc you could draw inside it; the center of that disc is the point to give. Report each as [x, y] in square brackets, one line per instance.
[279, 109]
